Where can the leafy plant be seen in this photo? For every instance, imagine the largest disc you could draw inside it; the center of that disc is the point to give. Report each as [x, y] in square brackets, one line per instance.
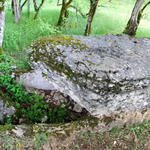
[40, 139]
[29, 106]
[114, 131]
[59, 114]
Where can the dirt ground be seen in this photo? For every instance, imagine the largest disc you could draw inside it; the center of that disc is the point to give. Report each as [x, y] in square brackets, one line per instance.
[136, 137]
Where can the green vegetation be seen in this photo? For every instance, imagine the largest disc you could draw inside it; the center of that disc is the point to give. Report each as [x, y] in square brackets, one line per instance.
[136, 137]
[18, 36]
[40, 139]
[110, 18]
[29, 106]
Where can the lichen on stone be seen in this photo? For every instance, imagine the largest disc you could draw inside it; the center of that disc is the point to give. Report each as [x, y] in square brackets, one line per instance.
[103, 74]
[50, 49]
[55, 40]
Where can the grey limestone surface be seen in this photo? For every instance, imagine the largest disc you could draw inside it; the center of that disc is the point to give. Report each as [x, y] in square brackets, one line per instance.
[110, 74]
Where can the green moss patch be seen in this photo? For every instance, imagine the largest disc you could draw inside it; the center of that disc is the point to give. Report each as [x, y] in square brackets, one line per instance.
[46, 49]
[55, 40]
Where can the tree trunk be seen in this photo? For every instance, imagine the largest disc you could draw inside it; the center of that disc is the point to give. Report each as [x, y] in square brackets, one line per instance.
[93, 6]
[2, 21]
[12, 7]
[28, 8]
[133, 22]
[36, 8]
[64, 12]
[17, 10]
[20, 6]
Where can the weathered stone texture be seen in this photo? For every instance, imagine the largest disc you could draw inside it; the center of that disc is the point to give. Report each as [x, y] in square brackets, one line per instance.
[104, 73]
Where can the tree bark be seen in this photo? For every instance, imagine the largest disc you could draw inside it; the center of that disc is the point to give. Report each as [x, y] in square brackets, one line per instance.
[64, 12]
[36, 8]
[12, 7]
[2, 21]
[17, 10]
[133, 22]
[141, 12]
[28, 8]
[93, 6]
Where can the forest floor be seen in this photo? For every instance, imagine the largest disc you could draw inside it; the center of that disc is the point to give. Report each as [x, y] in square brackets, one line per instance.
[136, 137]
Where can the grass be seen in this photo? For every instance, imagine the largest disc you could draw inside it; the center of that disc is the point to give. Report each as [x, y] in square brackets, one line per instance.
[135, 137]
[17, 36]
[110, 18]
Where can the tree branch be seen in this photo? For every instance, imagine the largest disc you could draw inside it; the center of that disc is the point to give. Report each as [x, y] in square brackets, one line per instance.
[58, 4]
[70, 1]
[23, 4]
[78, 10]
[145, 6]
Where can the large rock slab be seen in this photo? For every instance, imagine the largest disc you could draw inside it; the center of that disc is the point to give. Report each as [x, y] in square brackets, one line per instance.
[104, 73]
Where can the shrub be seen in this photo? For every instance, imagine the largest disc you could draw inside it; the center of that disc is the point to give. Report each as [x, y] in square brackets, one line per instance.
[29, 106]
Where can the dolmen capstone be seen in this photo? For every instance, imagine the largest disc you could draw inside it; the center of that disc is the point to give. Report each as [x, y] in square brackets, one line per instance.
[104, 73]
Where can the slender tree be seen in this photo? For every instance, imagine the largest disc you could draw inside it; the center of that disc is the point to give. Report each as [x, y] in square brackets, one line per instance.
[2, 21]
[23, 4]
[36, 8]
[141, 12]
[133, 22]
[93, 6]
[64, 11]
[17, 9]
[64, 14]
[12, 6]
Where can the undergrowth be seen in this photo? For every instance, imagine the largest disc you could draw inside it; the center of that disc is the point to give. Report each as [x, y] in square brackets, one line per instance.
[30, 107]
[111, 17]
[19, 35]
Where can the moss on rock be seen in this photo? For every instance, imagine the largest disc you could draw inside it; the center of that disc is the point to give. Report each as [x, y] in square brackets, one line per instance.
[50, 49]
[55, 40]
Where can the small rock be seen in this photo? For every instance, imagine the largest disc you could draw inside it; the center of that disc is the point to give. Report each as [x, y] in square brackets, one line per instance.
[77, 108]
[44, 119]
[5, 109]
[18, 131]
